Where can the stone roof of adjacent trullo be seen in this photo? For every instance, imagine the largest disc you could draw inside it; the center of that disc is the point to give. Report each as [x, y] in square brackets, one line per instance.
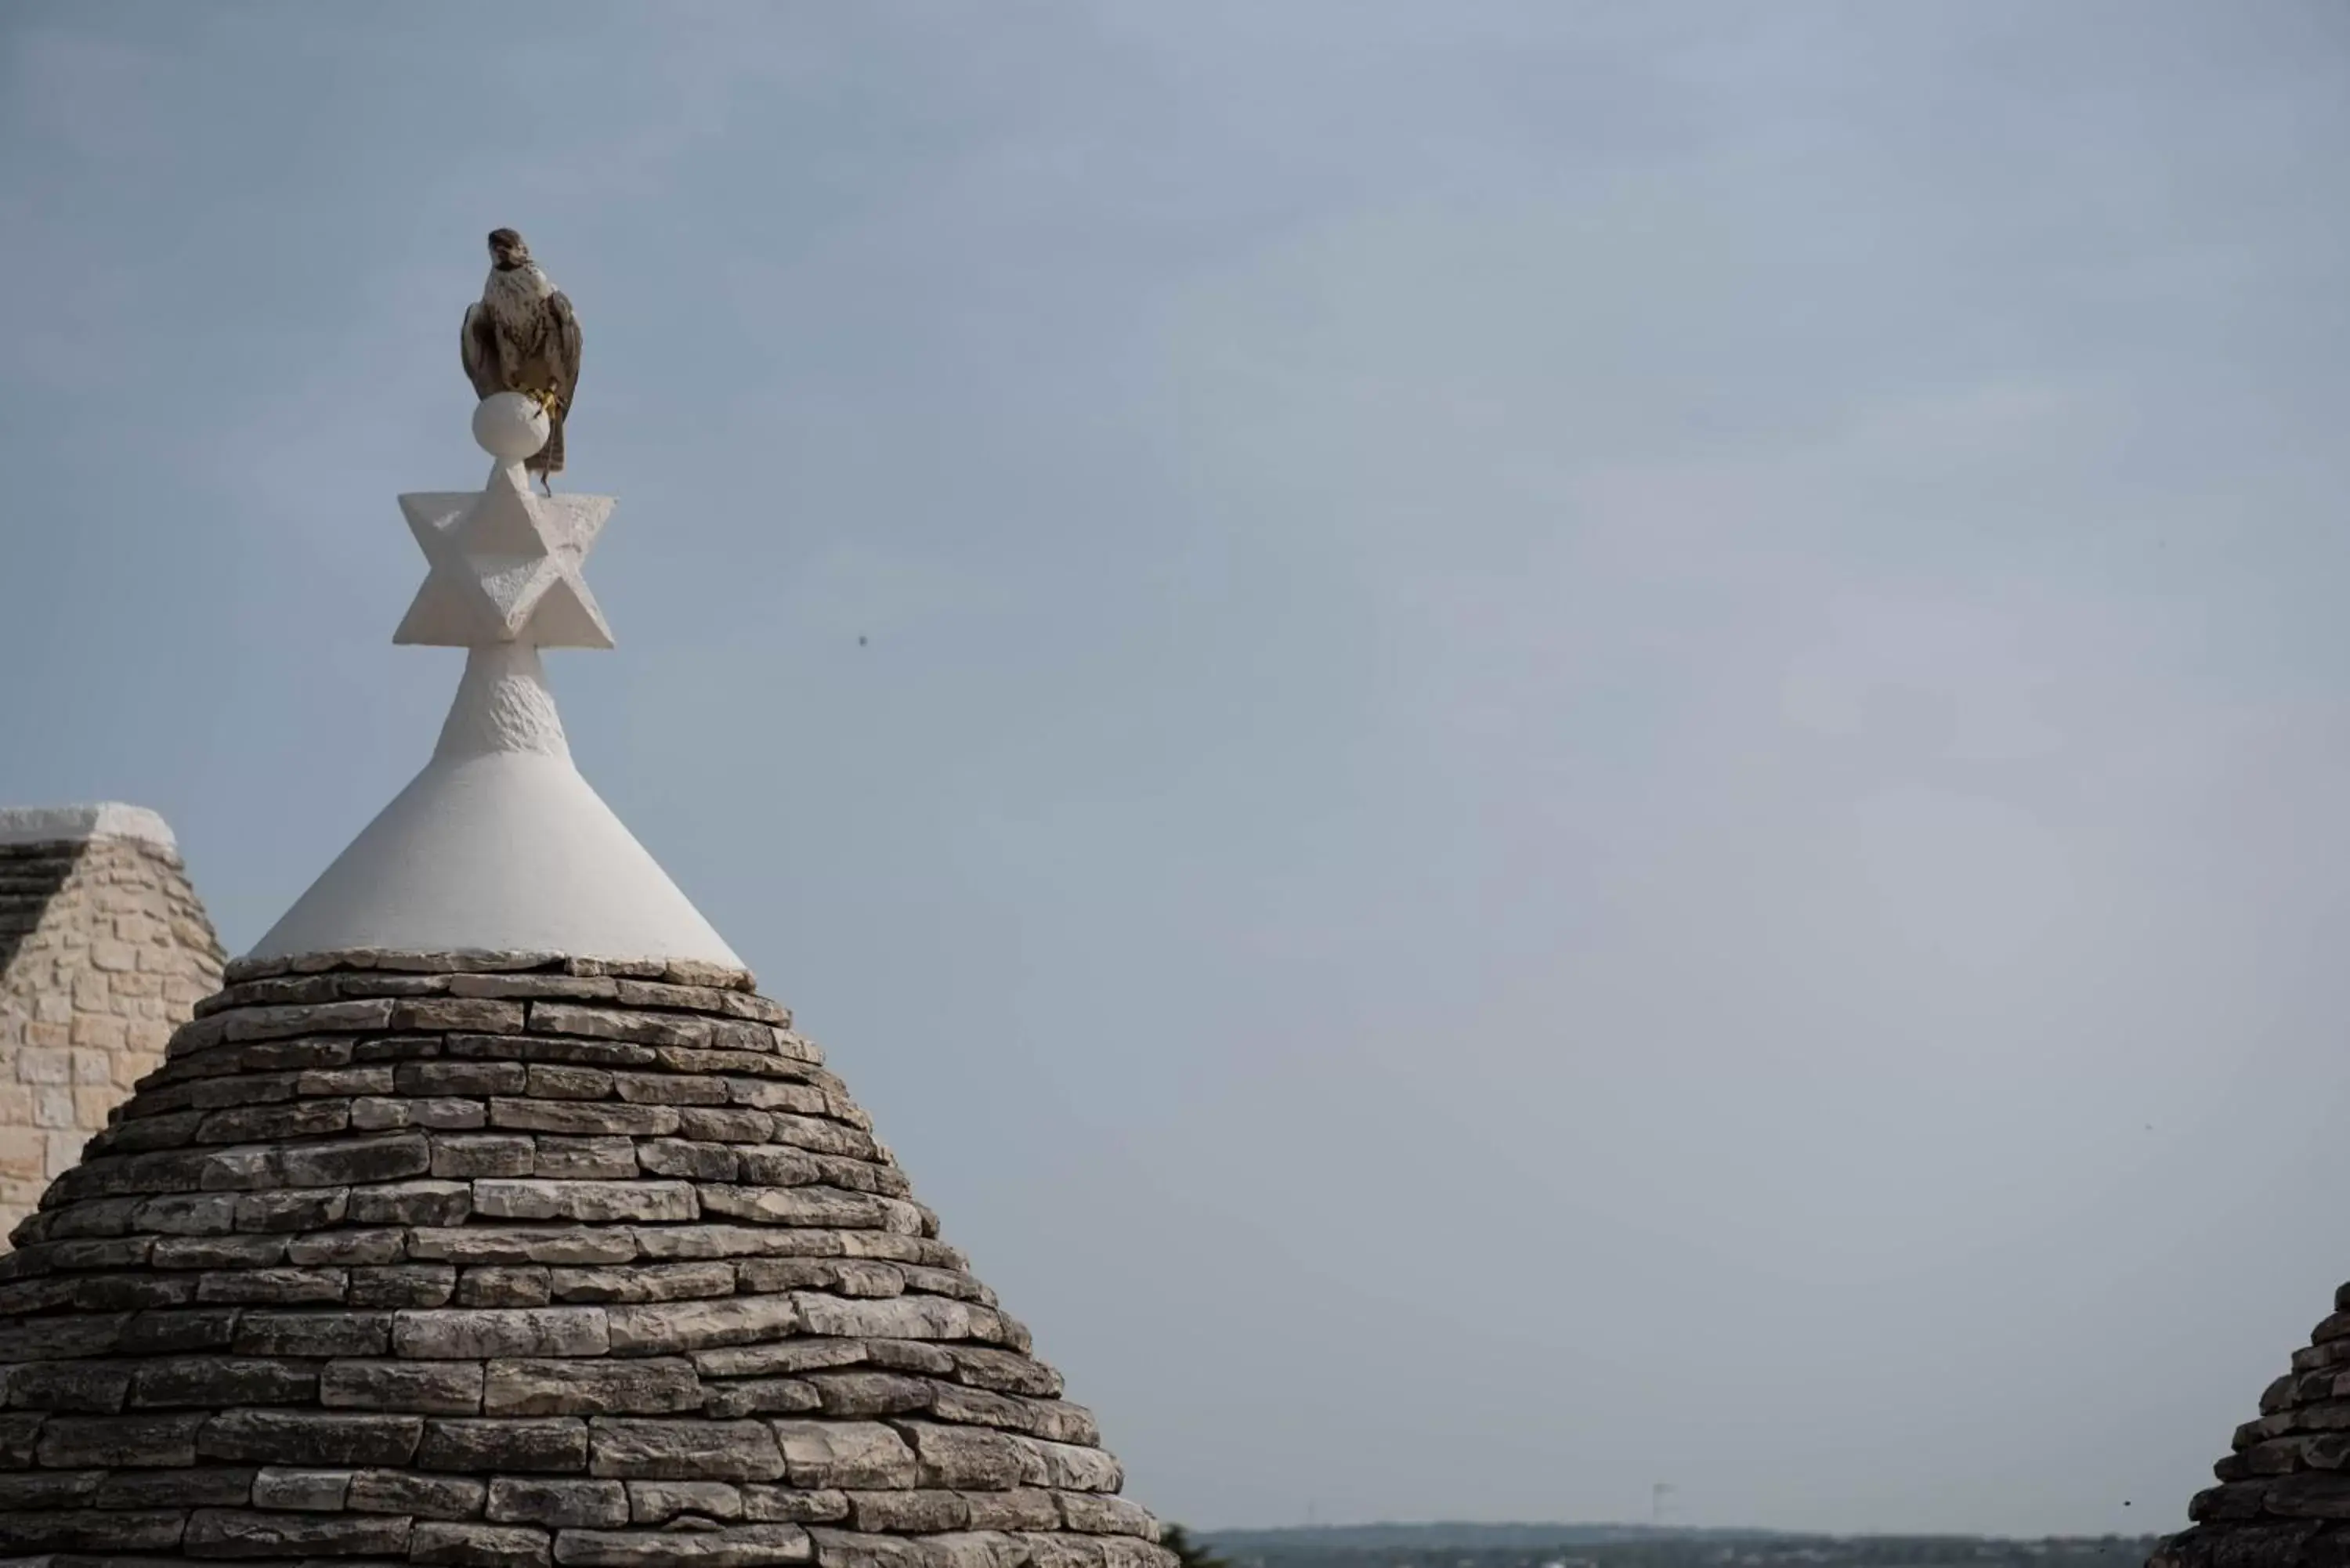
[104, 946]
[2283, 1497]
[573, 1255]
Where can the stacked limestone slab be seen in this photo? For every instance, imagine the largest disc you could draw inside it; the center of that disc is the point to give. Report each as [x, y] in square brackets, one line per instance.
[103, 947]
[520, 1260]
[2283, 1497]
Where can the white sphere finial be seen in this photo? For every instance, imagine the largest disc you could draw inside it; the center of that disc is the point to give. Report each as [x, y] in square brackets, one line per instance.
[509, 426]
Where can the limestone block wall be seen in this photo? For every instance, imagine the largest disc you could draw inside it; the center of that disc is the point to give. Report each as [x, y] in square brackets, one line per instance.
[104, 951]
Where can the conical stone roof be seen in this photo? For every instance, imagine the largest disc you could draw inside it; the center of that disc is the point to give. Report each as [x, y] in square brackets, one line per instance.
[104, 946]
[513, 1260]
[2283, 1497]
[496, 1253]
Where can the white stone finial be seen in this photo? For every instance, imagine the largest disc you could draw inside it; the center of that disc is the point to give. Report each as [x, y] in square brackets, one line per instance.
[505, 561]
[509, 426]
[499, 844]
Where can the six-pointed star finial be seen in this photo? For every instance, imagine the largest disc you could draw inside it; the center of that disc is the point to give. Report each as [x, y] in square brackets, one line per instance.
[505, 562]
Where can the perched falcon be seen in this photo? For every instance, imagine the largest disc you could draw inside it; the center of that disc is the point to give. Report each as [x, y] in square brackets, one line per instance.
[522, 337]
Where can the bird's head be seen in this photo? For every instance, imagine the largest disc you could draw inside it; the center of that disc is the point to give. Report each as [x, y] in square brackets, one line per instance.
[508, 250]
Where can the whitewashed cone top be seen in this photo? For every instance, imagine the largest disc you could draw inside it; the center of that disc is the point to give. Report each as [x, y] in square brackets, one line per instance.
[499, 844]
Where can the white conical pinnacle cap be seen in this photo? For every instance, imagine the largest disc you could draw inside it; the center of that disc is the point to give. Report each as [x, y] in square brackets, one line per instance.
[499, 844]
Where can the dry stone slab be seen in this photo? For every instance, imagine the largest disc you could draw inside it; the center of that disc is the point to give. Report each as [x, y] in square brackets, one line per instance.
[277, 1487]
[760, 1396]
[476, 1333]
[490, 1243]
[478, 1546]
[645, 1283]
[558, 1504]
[549, 1444]
[921, 1511]
[1099, 1514]
[240, 1532]
[313, 1436]
[870, 1393]
[212, 1380]
[792, 1505]
[493, 1285]
[659, 1502]
[730, 1546]
[846, 1454]
[684, 1451]
[564, 1159]
[438, 1201]
[1020, 1509]
[117, 1442]
[584, 1120]
[403, 1286]
[462, 1158]
[420, 1496]
[591, 1202]
[666, 1327]
[591, 1387]
[427, 1388]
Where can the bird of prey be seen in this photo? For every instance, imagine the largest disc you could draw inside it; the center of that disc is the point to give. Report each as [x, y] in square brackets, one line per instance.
[521, 337]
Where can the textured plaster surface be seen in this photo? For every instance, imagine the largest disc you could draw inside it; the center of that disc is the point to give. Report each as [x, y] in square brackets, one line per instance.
[502, 705]
[72, 823]
[498, 851]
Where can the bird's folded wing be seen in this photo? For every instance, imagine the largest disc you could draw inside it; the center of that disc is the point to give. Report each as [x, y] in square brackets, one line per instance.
[477, 353]
[567, 346]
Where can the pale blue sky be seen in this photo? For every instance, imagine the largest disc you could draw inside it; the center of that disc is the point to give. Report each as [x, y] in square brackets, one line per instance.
[1601, 742]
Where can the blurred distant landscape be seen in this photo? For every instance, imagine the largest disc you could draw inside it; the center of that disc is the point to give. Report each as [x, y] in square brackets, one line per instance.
[1644, 1546]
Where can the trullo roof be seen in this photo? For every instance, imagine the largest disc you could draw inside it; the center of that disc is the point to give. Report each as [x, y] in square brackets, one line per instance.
[536, 1236]
[2283, 1497]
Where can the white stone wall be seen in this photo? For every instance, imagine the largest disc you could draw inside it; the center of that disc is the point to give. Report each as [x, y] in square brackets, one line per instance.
[104, 950]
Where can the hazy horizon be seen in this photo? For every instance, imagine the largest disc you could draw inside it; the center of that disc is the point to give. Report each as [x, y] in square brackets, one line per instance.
[1223, 1535]
[1524, 749]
